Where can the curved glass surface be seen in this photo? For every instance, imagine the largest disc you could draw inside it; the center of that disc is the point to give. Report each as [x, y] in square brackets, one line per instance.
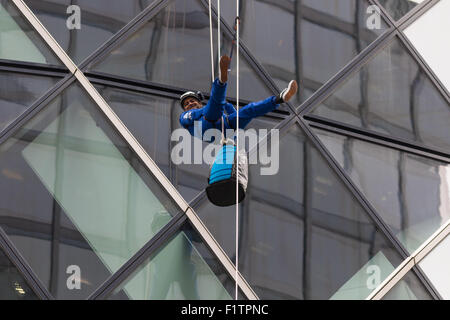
[408, 191]
[302, 233]
[80, 27]
[182, 269]
[409, 288]
[173, 48]
[19, 41]
[18, 91]
[398, 8]
[76, 201]
[306, 40]
[393, 96]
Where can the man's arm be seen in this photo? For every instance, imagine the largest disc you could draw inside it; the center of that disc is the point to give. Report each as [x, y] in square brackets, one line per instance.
[187, 118]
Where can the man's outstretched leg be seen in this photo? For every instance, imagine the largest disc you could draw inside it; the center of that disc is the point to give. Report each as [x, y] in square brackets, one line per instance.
[260, 108]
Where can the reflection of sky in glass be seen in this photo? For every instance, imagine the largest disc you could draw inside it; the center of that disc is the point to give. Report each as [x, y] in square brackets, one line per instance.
[426, 36]
[444, 208]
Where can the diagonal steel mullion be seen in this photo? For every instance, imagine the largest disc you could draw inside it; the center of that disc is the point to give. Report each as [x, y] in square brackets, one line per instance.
[390, 20]
[358, 195]
[415, 13]
[36, 107]
[159, 240]
[345, 73]
[136, 23]
[373, 214]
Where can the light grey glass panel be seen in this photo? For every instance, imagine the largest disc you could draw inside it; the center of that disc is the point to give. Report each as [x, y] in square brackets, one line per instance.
[18, 39]
[80, 27]
[393, 96]
[426, 36]
[181, 269]
[76, 201]
[302, 233]
[409, 288]
[173, 48]
[309, 41]
[408, 191]
[436, 265]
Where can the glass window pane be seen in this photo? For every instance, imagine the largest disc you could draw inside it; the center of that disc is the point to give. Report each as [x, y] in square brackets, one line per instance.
[18, 91]
[302, 233]
[97, 21]
[391, 95]
[12, 284]
[409, 192]
[75, 196]
[426, 36]
[173, 48]
[398, 8]
[182, 269]
[436, 264]
[306, 40]
[18, 40]
[409, 288]
[152, 120]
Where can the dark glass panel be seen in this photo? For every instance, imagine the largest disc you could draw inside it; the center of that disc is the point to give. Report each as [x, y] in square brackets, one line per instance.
[18, 91]
[183, 268]
[302, 233]
[398, 8]
[99, 20]
[408, 191]
[12, 283]
[173, 48]
[393, 96]
[19, 41]
[76, 201]
[306, 40]
[152, 120]
[409, 288]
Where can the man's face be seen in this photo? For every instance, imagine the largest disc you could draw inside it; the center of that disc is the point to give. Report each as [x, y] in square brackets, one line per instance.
[191, 103]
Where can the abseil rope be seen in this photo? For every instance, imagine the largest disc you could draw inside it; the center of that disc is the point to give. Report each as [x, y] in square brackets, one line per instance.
[237, 114]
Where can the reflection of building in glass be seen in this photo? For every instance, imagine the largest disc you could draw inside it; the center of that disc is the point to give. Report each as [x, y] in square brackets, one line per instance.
[87, 179]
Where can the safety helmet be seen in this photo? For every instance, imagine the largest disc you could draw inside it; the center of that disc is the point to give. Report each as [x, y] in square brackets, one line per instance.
[197, 95]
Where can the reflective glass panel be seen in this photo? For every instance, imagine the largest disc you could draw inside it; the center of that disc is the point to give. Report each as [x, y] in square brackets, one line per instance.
[76, 201]
[173, 48]
[18, 39]
[302, 233]
[12, 285]
[409, 288]
[408, 191]
[18, 91]
[426, 34]
[391, 95]
[82, 26]
[306, 40]
[398, 8]
[182, 269]
[436, 264]
[153, 120]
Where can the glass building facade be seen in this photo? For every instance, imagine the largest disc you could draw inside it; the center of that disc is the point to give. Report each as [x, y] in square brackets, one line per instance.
[94, 204]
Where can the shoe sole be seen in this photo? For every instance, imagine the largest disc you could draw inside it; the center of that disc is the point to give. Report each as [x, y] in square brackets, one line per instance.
[290, 91]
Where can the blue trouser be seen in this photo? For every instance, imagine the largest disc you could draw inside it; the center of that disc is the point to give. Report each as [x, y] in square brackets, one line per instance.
[214, 110]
